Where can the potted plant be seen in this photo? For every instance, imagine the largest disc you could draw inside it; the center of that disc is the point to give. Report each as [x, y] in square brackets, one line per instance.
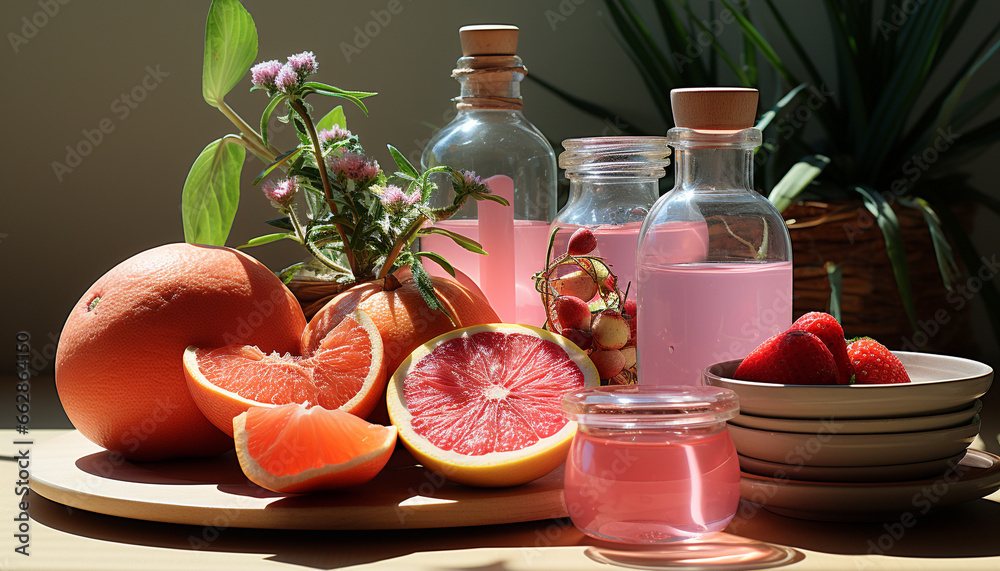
[876, 207]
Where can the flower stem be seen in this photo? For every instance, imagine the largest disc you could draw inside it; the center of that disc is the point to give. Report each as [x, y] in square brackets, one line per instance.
[327, 189]
[269, 151]
[403, 240]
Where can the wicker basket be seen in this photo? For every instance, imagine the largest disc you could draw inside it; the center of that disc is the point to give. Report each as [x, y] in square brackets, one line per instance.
[844, 233]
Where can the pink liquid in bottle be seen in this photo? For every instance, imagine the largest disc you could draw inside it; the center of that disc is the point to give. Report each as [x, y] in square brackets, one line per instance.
[652, 486]
[616, 244]
[704, 313]
[530, 239]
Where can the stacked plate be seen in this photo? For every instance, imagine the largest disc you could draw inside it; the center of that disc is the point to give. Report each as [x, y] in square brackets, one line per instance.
[847, 437]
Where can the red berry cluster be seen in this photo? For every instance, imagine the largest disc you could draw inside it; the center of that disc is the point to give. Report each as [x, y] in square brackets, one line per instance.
[584, 304]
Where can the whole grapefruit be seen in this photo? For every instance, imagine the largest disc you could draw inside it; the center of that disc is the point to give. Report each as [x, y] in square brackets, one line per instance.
[119, 365]
[401, 315]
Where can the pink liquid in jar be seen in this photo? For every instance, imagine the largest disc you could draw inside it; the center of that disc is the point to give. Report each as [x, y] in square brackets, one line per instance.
[695, 315]
[647, 473]
[515, 301]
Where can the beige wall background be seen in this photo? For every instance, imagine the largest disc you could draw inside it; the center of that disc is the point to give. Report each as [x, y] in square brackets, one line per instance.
[59, 233]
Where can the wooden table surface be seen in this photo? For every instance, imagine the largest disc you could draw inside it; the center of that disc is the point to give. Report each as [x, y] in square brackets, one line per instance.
[960, 537]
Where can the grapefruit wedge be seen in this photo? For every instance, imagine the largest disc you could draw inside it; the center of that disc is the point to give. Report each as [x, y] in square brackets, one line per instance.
[294, 449]
[481, 405]
[346, 371]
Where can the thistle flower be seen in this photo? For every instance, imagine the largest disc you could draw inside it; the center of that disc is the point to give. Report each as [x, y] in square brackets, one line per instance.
[469, 178]
[394, 199]
[354, 166]
[264, 73]
[287, 79]
[281, 193]
[303, 64]
[336, 134]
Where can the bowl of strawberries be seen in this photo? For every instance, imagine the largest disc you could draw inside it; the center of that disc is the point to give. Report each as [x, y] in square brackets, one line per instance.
[811, 372]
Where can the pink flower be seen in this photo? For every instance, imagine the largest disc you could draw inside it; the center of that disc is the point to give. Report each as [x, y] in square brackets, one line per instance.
[334, 135]
[303, 64]
[287, 79]
[264, 73]
[469, 178]
[394, 199]
[282, 192]
[356, 167]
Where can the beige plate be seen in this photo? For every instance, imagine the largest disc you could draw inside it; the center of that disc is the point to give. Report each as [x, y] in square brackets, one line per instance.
[977, 476]
[940, 384]
[864, 425]
[826, 448]
[73, 471]
[895, 473]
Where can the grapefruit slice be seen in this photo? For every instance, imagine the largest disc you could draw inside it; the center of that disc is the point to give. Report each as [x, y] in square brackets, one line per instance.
[295, 449]
[481, 405]
[346, 372]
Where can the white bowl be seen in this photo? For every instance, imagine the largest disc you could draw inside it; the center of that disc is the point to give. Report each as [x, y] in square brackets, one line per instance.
[827, 448]
[894, 473]
[939, 384]
[862, 425]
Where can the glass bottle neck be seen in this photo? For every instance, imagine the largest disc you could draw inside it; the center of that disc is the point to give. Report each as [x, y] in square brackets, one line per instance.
[708, 169]
[489, 82]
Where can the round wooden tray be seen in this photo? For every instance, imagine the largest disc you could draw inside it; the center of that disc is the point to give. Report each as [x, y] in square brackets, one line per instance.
[73, 471]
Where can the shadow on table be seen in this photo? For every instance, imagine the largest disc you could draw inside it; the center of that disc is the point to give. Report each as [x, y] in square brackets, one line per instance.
[223, 469]
[311, 549]
[959, 531]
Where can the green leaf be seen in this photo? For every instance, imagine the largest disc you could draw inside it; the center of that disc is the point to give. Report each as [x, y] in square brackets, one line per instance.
[426, 288]
[334, 117]
[942, 247]
[354, 97]
[283, 223]
[266, 116]
[888, 223]
[834, 274]
[265, 239]
[796, 180]
[768, 116]
[401, 162]
[439, 259]
[212, 193]
[288, 273]
[230, 48]
[467, 243]
[282, 159]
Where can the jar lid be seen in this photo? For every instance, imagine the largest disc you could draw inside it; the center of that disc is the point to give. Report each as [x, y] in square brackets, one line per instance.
[488, 40]
[615, 156]
[714, 108]
[637, 406]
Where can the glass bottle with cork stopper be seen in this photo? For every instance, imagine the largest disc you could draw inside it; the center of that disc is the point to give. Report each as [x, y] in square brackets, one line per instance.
[491, 137]
[714, 260]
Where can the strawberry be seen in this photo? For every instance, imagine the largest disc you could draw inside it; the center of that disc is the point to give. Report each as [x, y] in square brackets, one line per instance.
[581, 242]
[824, 326]
[874, 364]
[791, 358]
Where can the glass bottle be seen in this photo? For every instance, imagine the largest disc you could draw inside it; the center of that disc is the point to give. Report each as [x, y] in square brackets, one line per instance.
[613, 184]
[491, 137]
[714, 260]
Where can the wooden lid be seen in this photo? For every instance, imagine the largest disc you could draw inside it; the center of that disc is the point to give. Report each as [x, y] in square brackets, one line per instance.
[488, 40]
[714, 108]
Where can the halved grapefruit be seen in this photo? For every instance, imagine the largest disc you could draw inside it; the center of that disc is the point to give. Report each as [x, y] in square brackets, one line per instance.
[295, 449]
[346, 371]
[481, 405]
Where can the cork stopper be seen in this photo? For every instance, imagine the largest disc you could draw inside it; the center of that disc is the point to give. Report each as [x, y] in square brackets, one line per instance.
[488, 40]
[714, 108]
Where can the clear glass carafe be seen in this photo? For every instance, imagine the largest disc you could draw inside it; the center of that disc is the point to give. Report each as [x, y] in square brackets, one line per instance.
[714, 261]
[491, 136]
[613, 184]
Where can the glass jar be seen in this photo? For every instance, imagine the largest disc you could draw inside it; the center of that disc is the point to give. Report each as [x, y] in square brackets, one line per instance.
[614, 181]
[651, 464]
[715, 258]
[491, 137]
